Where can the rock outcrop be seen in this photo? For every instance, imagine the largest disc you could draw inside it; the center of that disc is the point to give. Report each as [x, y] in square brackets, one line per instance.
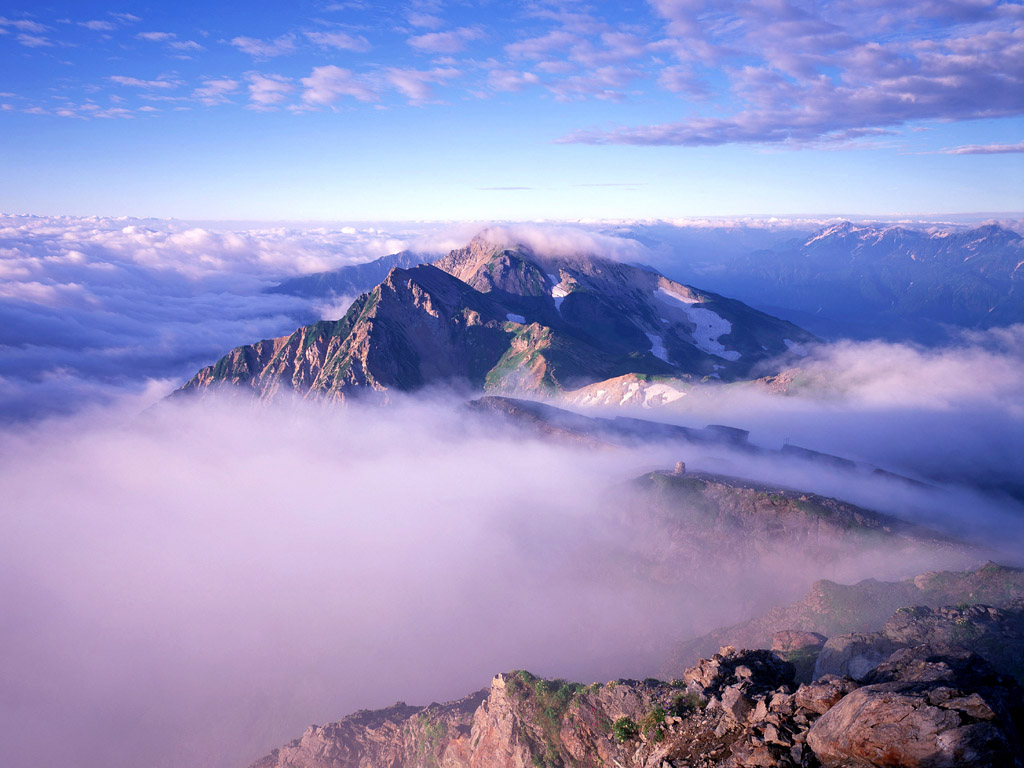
[925, 706]
[995, 634]
[832, 609]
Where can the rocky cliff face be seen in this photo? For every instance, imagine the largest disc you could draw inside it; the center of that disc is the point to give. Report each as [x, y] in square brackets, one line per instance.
[504, 318]
[924, 706]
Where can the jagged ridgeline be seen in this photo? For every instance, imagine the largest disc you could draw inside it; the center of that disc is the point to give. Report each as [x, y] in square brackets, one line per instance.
[500, 317]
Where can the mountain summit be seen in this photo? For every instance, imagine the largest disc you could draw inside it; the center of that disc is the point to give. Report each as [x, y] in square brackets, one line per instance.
[502, 317]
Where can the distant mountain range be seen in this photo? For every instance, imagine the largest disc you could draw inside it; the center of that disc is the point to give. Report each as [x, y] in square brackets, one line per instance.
[866, 281]
[348, 281]
[845, 280]
[503, 318]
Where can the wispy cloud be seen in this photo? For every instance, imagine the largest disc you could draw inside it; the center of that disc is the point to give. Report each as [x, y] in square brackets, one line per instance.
[98, 26]
[452, 41]
[340, 40]
[986, 149]
[325, 85]
[23, 25]
[417, 85]
[267, 91]
[34, 41]
[265, 49]
[156, 37]
[161, 83]
[216, 91]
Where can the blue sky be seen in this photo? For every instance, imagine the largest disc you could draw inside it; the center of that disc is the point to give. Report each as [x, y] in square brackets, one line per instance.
[491, 110]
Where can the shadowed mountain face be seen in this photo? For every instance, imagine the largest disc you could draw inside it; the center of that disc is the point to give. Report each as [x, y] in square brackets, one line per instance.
[508, 319]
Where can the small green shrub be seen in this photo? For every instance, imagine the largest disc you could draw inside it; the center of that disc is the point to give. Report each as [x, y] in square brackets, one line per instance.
[625, 729]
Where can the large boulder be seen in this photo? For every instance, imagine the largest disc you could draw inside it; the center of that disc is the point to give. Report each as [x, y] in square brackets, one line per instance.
[926, 707]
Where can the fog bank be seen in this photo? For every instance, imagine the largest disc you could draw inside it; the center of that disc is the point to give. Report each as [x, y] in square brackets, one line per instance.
[194, 586]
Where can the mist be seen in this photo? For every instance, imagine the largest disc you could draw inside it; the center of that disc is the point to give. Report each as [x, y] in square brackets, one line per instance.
[196, 584]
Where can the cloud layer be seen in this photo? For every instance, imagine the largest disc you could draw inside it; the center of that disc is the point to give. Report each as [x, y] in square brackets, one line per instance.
[91, 309]
[195, 585]
[763, 72]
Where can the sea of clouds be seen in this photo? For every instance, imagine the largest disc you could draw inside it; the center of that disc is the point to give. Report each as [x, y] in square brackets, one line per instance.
[191, 584]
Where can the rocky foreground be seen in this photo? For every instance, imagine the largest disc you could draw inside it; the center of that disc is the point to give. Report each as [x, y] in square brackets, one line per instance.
[932, 688]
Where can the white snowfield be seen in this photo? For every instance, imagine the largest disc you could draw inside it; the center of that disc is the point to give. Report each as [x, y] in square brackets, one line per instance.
[658, 347]
[644, 394]
[660, 394]
[514, 318]
[710, 325]
[558, 293]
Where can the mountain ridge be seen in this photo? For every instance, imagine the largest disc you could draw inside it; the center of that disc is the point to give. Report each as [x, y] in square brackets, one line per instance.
[507, 319]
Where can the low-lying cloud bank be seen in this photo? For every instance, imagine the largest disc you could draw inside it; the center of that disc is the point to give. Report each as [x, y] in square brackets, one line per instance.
[951, 412]
[94, 308]
[193, 586]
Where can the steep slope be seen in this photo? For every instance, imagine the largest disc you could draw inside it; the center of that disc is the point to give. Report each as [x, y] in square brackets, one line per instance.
[493, 317]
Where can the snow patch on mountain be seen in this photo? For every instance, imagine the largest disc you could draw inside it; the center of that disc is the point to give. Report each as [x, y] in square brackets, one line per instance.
[661, 394]
[558, 293]
[709, 325]
[658, 348]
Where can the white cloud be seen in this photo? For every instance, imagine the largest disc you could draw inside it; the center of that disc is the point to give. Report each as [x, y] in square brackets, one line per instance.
[98, 26]
[425, 20]
[161, 83]
[986, 149]
[452, 41]
[34, 41]
[265, 91]
[156, 37]
[23, 25]
[265, 49]
[417, 84]
[339, 40]
[216, 91]
[327, 84]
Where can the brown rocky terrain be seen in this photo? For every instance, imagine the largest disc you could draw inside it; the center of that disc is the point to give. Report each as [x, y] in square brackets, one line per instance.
[924, 706]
